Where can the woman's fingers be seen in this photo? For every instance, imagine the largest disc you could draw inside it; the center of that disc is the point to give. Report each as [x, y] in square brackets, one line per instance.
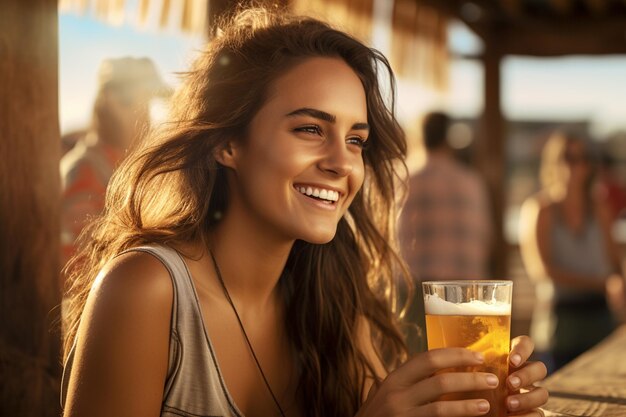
[425, 364]
[528, 401]
[452, 409]
[432, 388]
[414, 384]
[526, 376]
[413, 388]
[521, 349]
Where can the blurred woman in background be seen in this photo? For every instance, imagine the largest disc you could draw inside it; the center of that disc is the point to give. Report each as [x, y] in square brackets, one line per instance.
[569, 251]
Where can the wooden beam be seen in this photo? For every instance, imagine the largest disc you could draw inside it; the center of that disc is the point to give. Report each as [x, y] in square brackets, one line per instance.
[562, 7]
[474, 14]
[598, 33]
[490, 150]
[597, 7]
[447, 7]
[30, 203]
[512, 7]
[565, 37]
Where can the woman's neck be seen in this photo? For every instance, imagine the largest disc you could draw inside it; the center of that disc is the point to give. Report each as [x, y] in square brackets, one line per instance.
[250, 261]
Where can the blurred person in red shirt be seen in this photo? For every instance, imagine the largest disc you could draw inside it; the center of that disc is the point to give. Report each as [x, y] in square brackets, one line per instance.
[120, 113]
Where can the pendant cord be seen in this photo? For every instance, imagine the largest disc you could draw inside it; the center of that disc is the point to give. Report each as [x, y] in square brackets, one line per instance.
[245, 335]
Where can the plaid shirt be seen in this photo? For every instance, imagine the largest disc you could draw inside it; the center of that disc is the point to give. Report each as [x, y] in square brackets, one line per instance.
[445, 227]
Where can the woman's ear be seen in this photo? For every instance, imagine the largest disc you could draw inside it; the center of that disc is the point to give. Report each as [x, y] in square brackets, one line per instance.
[227, 155]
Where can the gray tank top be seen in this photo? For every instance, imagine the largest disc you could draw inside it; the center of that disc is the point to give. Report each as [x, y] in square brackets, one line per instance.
[584, 253]
[194, 386]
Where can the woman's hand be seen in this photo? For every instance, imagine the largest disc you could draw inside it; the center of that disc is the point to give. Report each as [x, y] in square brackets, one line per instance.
[526, 398]
[413, 389]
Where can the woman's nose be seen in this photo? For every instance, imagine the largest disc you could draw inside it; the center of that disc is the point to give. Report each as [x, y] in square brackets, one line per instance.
[338, 159]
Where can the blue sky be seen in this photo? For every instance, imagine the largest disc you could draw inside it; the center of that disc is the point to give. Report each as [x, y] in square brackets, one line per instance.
[84, 42]
[560, 88]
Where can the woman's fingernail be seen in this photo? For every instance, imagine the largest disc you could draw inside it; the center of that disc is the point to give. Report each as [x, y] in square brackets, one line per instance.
[516, 359]
[515, 381]
[513, 403]
[492, 380]
[479, 357]
[483, 406]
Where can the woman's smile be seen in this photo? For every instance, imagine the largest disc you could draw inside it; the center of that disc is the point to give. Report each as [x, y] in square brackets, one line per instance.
[324, 197]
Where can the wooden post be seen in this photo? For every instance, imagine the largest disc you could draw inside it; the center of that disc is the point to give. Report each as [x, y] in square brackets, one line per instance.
[29, 208]
[491, 155]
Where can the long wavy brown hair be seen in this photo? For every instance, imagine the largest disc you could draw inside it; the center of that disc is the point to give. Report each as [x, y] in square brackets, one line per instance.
[169, 190]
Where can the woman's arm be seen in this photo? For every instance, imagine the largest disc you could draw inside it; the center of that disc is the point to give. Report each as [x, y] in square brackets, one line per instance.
[122, 344]
[528, 239]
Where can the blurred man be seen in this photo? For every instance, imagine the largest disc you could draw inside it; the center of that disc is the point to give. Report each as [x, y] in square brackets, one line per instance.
[120, 113]
[445, 228]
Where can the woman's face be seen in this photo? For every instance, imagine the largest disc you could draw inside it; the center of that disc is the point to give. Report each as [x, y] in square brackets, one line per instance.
[577, 160]
[301, 165]
[124, 113]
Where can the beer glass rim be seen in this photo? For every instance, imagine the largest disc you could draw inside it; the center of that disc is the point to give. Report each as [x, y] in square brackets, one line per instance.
[466, 282]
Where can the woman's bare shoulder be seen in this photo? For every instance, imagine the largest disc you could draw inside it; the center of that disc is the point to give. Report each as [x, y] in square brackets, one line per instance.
[133, 280]
[132, 290]
[537, 208]
[123, 338]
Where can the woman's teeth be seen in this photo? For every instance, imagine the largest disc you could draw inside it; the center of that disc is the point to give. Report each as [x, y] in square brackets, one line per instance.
[322, 194]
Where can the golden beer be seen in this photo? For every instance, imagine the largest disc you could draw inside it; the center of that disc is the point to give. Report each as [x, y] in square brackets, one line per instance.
[480, 326]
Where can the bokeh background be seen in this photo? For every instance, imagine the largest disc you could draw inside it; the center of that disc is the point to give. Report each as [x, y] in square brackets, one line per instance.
[507, 71]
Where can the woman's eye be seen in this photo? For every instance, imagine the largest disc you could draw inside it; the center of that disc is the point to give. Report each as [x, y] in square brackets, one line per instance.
[313, 129]
[357, 140]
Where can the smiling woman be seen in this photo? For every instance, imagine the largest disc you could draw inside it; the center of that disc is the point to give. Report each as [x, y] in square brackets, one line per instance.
[317, 146]
[245, 262]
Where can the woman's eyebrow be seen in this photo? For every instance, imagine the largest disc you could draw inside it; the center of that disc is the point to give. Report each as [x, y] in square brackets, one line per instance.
[361, 126]
[318, 114]
[322, 115]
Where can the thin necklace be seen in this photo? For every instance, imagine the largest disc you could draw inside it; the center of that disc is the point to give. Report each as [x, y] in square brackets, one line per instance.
[243, 330]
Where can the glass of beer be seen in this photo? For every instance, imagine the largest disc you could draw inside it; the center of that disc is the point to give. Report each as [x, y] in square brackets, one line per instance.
[475, 315]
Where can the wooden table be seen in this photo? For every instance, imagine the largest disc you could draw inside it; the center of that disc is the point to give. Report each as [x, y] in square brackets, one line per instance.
[594, 384]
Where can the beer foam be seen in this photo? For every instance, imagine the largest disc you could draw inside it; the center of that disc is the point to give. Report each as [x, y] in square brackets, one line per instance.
[437, 306]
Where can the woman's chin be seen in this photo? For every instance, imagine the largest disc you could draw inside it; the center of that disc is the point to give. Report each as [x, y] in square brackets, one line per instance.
[320, 238]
